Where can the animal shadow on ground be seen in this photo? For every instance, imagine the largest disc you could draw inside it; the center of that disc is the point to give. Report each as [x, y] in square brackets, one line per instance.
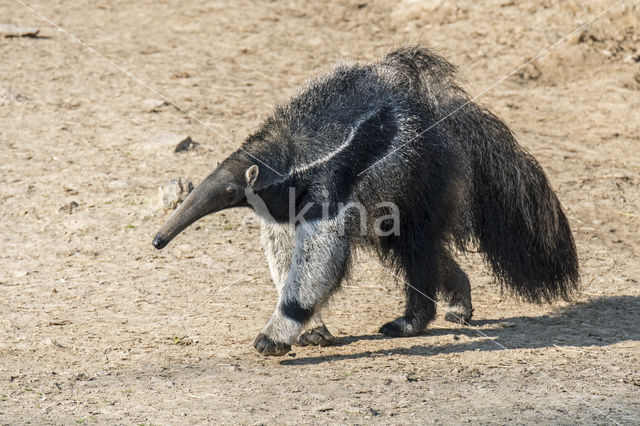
[599, 322]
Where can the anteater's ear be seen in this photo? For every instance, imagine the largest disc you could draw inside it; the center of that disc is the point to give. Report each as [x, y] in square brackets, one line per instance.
[251, 175]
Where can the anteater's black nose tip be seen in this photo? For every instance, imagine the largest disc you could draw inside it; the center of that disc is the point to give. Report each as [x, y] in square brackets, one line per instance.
[159, 242]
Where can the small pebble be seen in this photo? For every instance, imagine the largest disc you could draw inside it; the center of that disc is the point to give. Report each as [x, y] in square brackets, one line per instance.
[69, 208]
[153, 105]
[9, 30]
[186, 145]
[165, 141]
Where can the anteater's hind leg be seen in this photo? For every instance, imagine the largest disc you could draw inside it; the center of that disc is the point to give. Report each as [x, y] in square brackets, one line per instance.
[421, 282]
[278, 243]
[455, 291]
[316, 334]
[318, 264]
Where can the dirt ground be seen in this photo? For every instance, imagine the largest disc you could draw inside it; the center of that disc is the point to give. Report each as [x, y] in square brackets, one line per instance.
[98, 327]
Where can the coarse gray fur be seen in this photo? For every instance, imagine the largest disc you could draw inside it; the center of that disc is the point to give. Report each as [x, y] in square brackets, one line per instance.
[363, 142]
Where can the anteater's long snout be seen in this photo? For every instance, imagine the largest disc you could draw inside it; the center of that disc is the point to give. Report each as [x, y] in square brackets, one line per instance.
[205, 199]
[159, 242]
[192, 208]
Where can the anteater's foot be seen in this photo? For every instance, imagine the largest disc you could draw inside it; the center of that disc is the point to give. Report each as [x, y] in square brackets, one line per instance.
[403, 327]
[459, 314]
[317, 336]
[266, 346]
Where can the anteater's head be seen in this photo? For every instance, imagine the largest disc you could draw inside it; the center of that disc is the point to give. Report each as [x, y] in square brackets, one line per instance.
[222, 189]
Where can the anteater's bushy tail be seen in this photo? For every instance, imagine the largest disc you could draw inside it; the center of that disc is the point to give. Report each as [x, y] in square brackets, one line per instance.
[517, 219]
[515, 216]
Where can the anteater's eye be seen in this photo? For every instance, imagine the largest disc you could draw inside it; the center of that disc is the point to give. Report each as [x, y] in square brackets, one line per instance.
[230, 192]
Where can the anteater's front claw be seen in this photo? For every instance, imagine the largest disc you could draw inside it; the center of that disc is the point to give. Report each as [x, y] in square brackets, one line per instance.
[266, 346]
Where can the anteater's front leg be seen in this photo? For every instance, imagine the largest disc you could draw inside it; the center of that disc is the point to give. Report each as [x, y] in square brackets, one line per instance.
[320, 260]
[278, 241]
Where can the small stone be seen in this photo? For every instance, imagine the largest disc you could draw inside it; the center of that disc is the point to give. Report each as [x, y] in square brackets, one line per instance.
[373, 412]
[166, 140]
[69, 208]
[154, 105]
[186, 145]
[174, 192]
[9, 30]
[180, 74]
[530, 71]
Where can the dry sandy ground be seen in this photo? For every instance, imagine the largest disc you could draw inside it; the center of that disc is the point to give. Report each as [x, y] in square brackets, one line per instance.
[98, 327]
